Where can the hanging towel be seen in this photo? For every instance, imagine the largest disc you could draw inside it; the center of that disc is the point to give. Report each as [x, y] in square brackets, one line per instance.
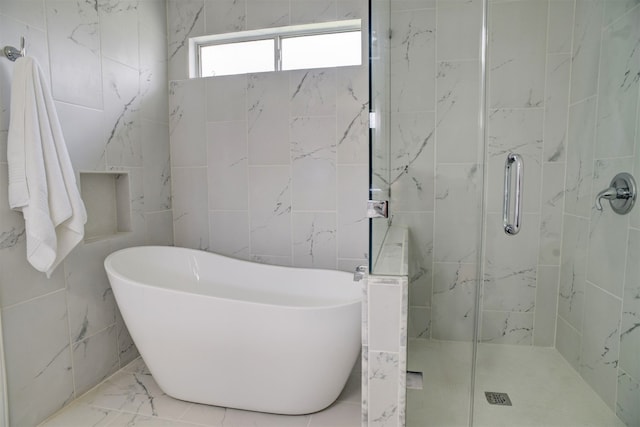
[42, 183]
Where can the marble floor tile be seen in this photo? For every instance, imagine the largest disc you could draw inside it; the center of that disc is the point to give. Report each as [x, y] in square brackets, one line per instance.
[131, 397]
[543, 387]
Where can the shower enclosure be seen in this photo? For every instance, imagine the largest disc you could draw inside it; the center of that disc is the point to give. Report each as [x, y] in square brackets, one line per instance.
[469, 99]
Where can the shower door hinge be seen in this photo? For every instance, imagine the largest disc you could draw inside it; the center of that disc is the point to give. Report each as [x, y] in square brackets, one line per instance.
[372, 120]
[377, 209]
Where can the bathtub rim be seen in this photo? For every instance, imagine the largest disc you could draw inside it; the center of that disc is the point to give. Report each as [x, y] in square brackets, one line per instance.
[111, 271]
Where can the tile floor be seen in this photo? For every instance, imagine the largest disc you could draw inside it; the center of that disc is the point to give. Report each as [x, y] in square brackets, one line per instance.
[132, 398]
[544, 389]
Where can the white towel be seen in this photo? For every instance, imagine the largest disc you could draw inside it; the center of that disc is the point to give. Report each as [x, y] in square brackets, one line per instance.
[42, 183]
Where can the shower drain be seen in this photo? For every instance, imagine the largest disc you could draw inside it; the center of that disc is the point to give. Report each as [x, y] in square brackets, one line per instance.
[495, 398]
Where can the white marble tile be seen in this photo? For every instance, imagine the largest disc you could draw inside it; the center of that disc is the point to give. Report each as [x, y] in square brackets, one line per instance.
[459, 30]
[226, 98]
[412, 57]
[544, 390]
[190, 217]
[237, 418]
[352, 108]
[614, 9]
[312, 92]
[412, 161]
[127, 351]
[94, 359]
[419, 325]
[454, 287]
[270, 201]
[384, 317]
[79, 414]
[92, 306]
[511, 266]
[31, 12]
[154, 89]
[159, 228]
[340, 414]
[205, 415]
[187, 125]
[268, 115]
[383, 389]
[314, 239]
[136, 393]
[617, 89]
[556, 107]
[607, 232]
[85, 143]
[586, 49]
[267, 13]
[311, 11]
[225, 16]
[546, 309]
[229, 233]
[131, 420]
[551, 213]
[313, 163]
[412, 4]
[600, 343]
[560, 26]
[352, 221]
[457, 213]
[36, 44]
[119, 30]
[227, 156]
[629, 331]
[515, 131]
[121, 119]
[420, 226]
[575, 240]
[185, 19]
[74, 39]
[517, 54]
[39, 377]
[283, 260]
[4, 135]
[156, 166]
[580, 158]
[627, 408]
[568, 343]
[458, 101]
[502, 327]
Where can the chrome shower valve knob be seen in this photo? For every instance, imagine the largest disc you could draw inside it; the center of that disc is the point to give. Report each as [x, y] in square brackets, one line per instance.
[621, 194]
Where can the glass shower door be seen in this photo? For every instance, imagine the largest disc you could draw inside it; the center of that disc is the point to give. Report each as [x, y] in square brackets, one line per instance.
[427, 102]
[538, 327]
[557, 308]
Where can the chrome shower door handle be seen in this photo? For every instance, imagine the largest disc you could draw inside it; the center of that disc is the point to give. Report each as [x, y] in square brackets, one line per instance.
[512, 227]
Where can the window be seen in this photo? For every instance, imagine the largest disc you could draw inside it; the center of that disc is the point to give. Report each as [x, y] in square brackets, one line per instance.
[332, 44]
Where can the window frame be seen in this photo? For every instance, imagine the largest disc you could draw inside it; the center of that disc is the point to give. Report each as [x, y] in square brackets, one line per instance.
[277, 34]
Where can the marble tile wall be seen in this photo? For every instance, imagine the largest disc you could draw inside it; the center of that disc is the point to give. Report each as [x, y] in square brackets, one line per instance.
[598, 311]
[107, 68]
[270, 167]
[384, 351]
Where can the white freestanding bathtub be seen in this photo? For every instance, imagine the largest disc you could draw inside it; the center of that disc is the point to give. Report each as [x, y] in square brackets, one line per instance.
[225, 332]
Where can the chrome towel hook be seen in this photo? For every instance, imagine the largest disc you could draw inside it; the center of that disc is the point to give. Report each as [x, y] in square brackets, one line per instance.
[12, 53]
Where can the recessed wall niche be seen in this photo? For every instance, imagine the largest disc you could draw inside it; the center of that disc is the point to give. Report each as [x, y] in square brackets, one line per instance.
[106, 198]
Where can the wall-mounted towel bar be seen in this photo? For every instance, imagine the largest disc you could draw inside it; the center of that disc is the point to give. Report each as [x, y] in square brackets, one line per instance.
[12, 53]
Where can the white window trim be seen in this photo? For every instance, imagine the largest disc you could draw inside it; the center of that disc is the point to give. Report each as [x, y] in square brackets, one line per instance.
[277, 34]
